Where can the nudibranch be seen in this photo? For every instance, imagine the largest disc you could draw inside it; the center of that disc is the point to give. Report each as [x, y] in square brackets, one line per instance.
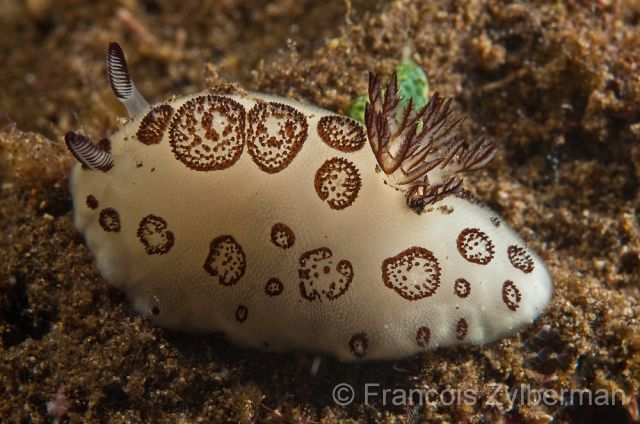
[288, 227]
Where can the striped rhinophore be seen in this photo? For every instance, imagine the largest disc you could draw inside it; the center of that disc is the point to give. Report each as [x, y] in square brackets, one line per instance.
[121, 82]
[87, 152]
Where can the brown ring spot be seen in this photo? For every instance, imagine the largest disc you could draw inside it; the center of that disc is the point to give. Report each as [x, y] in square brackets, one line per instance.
[423, 336]
[207, 133]
[282, 236]
[359, 344]
[155, 310]
[242, 313]
[495, 221]
[154, 236]
[475, 246]
[275, 135]
[462, 329]
[274, 287]
[315, 283]
[464, 194]
[92, 202]
[520, 259]
[109, 220]
[341, 133]
[511, 295]
[154, 124]
[413, 273]
[462, 288]
[338, 182]
[445, 209]
[226, 260]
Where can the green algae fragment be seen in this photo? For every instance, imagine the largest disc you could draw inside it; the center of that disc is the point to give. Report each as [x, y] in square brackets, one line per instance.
[356, 110]
[412, 84]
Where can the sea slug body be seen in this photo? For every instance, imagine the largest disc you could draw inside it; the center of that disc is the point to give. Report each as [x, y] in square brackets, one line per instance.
[288, 227]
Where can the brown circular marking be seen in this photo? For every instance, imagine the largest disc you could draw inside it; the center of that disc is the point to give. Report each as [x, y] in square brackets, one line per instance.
[154, 236]
[155, 310]
[282, 236]
[462, 329]
[359, 344]
[520, 259]
[413, 273]
[109, 220]
[464, 194]
[207, 133]
[92, 202]
[338, 182]
[316, 282]
[495, 221]
[423, 336]
[341, 133]
[242, 313]
[462, 288]
[511, 295]
[475, 246]
[154, 124]
[274, 287]
[445, 209]
[275, 135]
[226, 260]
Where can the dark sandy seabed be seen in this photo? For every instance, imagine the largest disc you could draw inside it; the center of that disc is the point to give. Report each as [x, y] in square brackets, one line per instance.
[556, 84]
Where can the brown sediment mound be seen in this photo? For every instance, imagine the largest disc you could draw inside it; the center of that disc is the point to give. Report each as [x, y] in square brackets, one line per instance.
[556, 84]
